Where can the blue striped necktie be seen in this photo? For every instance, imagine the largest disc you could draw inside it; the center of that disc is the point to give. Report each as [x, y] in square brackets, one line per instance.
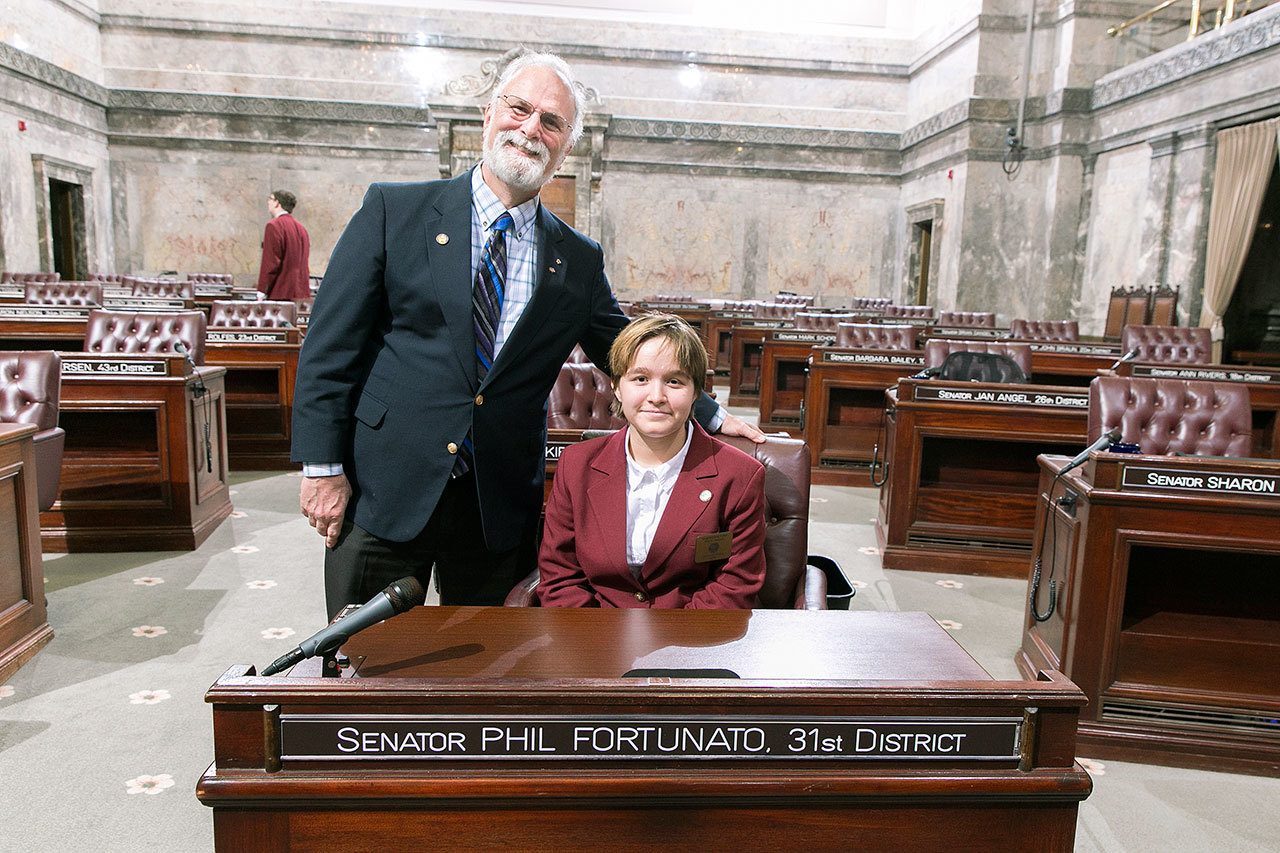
[486, 311]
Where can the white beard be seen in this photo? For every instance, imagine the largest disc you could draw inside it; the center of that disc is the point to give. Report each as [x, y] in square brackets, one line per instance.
[513, 168]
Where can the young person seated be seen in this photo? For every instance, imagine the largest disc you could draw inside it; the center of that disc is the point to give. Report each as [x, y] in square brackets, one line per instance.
[659, 514]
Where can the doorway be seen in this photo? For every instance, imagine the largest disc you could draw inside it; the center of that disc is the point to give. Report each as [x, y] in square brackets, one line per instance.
[66, 227]
[1251, 324]
[921, 250]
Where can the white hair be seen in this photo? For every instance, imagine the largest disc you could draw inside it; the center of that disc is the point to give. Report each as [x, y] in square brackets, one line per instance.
[561, 69]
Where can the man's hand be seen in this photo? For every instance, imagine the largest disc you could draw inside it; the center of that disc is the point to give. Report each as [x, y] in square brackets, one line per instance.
[734, 425]
[324, 503]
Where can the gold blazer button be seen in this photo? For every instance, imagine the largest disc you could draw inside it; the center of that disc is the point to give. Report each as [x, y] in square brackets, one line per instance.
[479, 399]
[452, 448]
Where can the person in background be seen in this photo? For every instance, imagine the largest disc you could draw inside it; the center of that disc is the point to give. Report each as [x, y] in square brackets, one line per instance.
[286, 249]
[659, 514]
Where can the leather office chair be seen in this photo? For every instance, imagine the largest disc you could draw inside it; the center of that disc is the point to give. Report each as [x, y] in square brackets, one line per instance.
[774, 311]
[210, 278]
[871, 303]
[1169, 416]
[165, 289]
[145, 332]
[876, 336]
[937, 350]
[794, 299]
[30, 385]
[968, 319]
[581, 398]
[1168, 344]
[233, 313]
[304, 305]
[815, 322]
[1044, 330]
[23, 277]
[789, 581]
[909, 312]
[63, 293]
[108, 277]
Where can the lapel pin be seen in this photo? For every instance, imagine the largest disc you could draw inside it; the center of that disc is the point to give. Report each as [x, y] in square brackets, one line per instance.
[558, 260]
[551, 269]
[442, 239]
[705, 496]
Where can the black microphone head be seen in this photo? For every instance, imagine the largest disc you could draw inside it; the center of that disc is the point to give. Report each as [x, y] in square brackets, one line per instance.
[1115, 435]
[405, 594]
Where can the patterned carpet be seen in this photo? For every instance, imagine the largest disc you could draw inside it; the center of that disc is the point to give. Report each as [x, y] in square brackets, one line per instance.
[105, 732]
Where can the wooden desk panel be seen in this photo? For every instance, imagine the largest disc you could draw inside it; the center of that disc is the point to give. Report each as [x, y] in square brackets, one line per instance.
[65, 334]
[1168, 611]
[1073, 363]
[962, 475]
[718, 337]
[784, 375]
[745, 359]
[135, 472]
[535, 667]
[844, 410]
[24, 627]
[260, 379]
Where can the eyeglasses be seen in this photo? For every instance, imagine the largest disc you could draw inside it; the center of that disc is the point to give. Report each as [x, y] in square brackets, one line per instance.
[521, 109]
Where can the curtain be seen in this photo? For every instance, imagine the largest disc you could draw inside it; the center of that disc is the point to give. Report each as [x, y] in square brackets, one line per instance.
[1245, 158]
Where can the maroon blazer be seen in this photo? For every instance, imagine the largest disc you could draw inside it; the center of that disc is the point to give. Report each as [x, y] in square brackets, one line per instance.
[583, 560]
[286, 248]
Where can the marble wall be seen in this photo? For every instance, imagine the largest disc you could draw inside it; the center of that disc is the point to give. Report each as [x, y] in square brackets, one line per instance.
[718, 162]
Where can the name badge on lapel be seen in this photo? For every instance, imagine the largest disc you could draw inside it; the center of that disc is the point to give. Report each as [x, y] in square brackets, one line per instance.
[712, 546]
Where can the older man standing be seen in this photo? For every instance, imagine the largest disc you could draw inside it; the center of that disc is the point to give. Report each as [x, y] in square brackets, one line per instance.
[447, 310]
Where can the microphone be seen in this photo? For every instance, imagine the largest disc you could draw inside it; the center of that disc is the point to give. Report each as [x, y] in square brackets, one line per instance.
[1129, 356]
[198, 392]
[1107, 439]
[404, 594]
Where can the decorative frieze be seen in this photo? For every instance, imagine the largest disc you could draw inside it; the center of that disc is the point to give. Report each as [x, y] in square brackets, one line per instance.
[37, 69]
[289, 108]
[756, 134]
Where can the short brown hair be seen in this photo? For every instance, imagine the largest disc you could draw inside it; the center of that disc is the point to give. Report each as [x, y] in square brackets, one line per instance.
[285, 199]
[686, 344]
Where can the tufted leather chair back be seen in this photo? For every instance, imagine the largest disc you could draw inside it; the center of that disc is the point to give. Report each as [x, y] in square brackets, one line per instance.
[1044, 330]
[968, 319]
[145, 332]
[1168, 344]
[872, 336]
[304, 305]
[794, 299]
[30, 384]
[814, 322]
[580, 399]
[110, 277]
[912, 312]
[63, 293]
[1167, 416]
[254, 315]
[210, 278]
[165, 289]
[774, 311]
[22, 277]
[937, 350]
[871, 303]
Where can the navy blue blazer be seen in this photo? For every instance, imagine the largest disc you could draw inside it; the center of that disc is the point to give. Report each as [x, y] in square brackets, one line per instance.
[387, 374]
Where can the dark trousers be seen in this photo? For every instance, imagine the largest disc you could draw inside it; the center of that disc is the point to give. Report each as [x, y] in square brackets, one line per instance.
[361, 565]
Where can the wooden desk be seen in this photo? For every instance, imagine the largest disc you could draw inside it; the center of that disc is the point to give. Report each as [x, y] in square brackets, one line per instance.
[784, 375]
[543, 745]
[24, 627]
[1168, 608]
[1264, 393]
[135, 472]
[262, 366]
[844, 409]
[55, 327]
[962, 472]
[745, 358]
[1070, 362]
[718, 337]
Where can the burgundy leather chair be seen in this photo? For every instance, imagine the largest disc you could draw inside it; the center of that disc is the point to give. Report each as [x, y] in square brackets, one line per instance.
[876, 336]
[145, 332]
[1168, 416]
[23, 277]
[816, 322]
[211, 278]
[1168, 344]
[774, 311]
[789, 581]
[63, 293]
[794, 299]
[909, 312]
[871, 303]
[234, 313]
[165, 289]
[968, 319]
[581, 398]
[109, 277]
[937, 350]
[30, 385]
[1044, 330]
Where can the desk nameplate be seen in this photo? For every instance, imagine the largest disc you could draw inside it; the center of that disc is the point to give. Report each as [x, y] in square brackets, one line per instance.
[554, 449]
[731, 315]
[390, 737]
[752, 323]
[678, 306]
[1206, 374]
[81, 365]
[44, 312]
[963, 332]
[1136, 477]
[1076, 349]
[261, 336]
[872, 358]
[143, 304]
[960, 394]
[825, 338]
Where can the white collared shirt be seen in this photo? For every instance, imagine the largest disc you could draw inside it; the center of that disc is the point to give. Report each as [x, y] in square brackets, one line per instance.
[647, 492]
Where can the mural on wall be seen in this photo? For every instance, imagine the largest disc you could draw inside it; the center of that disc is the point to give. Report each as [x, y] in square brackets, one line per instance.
[678, 246]
[823, 251]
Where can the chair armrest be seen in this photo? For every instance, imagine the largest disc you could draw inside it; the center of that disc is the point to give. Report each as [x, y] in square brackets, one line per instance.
[48, 446]
[525, 593]
[811, 592]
